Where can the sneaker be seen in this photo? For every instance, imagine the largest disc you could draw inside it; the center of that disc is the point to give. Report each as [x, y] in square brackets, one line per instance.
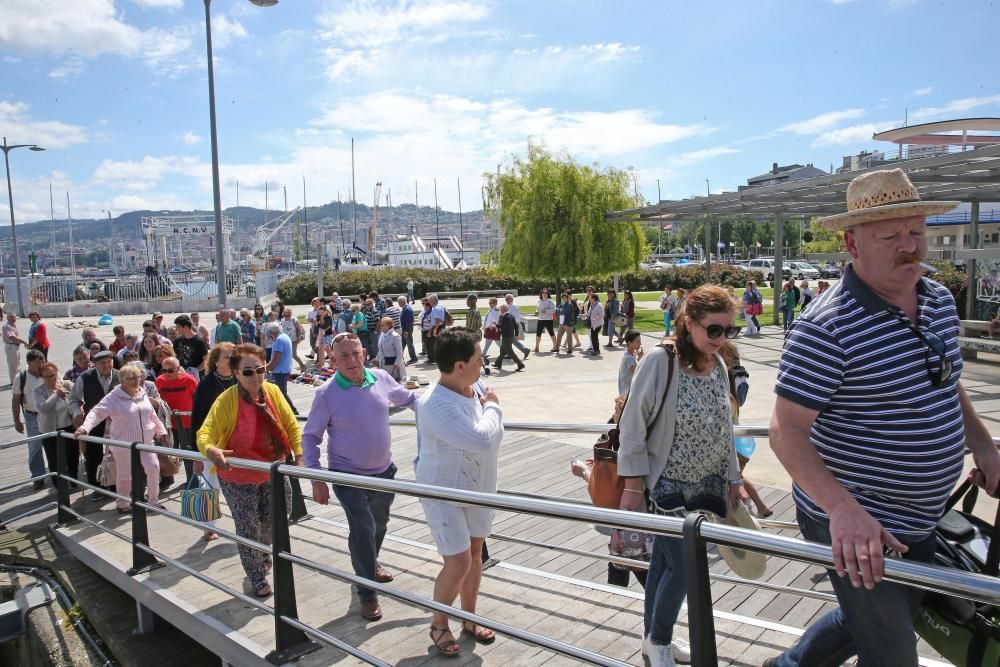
[659, 655]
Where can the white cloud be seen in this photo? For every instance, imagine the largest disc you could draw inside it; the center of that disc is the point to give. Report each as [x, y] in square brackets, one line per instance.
[822, 123]
[191, 138]
[19, 127]
[955, 107]
[926, 90]
[166, 4]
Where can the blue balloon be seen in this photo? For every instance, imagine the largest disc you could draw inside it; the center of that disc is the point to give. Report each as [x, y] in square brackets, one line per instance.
[745, 445]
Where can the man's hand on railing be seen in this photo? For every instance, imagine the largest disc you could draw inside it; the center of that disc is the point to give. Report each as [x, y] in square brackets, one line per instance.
[218, 457]
[321, 492]
[856, 539]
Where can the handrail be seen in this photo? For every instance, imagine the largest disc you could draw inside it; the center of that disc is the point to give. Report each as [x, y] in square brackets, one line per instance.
[695, 531]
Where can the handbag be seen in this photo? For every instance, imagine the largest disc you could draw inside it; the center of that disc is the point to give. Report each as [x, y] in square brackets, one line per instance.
[107, 472]
[199, 501]
[491, 333]
[963, 631]
[605, 486]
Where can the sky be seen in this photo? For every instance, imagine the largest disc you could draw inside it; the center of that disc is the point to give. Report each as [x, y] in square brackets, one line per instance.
[694, 95]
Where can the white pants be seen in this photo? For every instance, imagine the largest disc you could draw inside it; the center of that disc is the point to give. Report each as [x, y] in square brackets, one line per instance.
[13, 352]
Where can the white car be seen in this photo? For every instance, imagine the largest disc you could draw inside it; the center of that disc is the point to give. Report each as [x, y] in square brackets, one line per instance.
[804, 270]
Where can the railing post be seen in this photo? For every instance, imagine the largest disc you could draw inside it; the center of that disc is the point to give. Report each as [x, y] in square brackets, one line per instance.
[62, 482]
[142, 561]
[701, 623]
[290, 643]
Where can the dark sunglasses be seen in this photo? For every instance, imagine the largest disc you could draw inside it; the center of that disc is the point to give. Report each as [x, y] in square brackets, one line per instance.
[939, 365]
[250, 372]
[716, 330]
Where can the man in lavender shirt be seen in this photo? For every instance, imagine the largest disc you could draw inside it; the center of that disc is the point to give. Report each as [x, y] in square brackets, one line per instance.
[353, 410]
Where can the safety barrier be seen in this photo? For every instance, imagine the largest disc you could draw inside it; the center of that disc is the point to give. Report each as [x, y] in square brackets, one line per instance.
[294, 638]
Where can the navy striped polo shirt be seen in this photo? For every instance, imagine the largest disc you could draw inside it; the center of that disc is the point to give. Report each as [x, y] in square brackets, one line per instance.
[895, 441]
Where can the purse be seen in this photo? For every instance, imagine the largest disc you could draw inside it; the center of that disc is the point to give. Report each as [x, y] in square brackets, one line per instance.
[107, 472]
[200, 502]
[605, 486]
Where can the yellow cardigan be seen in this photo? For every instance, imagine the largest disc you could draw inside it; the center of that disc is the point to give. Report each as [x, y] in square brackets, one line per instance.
[220, 423]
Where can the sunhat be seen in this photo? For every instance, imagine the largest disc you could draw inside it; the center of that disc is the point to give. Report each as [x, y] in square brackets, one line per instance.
[882, 195]
[746, 564]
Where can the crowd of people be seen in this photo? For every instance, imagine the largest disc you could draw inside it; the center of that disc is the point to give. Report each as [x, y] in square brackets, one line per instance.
[856, 450]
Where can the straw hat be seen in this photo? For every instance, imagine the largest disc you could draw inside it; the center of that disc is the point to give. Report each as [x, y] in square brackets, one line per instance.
[746, 564]
[882, 195]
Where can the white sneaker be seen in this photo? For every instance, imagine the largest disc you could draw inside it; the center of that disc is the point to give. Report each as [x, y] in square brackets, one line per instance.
[659, 655]
[681, 651]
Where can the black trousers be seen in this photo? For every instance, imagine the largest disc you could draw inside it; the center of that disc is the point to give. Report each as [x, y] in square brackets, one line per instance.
[70, 446]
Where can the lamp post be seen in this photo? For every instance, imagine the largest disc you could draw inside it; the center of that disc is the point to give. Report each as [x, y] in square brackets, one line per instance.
[220, 252]
[13, 230]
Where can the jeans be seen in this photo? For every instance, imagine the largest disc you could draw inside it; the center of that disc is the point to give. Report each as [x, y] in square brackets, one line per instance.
[36, 459]
[281, 379]
[367, 519]
[665, 589]
[876, 625]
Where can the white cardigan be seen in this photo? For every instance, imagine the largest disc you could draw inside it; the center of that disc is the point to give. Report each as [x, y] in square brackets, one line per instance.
[458, 440]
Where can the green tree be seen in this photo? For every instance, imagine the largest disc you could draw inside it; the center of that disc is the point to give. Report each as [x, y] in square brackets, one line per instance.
[552, 212]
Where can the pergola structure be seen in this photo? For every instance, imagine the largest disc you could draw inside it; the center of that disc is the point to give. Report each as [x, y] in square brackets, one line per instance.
[971, 175]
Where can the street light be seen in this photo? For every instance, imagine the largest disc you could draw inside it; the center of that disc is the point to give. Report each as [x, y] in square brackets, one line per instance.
[220, 254]
[13, 231]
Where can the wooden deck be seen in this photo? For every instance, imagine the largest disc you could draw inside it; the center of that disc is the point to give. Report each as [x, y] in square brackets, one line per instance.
[546, 591]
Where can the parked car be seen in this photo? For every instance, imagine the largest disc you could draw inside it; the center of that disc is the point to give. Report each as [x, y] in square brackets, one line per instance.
[803, 270]
[766, 266]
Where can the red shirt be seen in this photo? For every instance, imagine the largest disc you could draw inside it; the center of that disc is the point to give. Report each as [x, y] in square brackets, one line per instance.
[178, 392]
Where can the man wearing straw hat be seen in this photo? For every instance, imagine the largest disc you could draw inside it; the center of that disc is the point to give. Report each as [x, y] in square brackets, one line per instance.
[871, 422]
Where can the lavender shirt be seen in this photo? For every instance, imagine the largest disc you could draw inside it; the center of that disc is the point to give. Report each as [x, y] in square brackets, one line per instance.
[356, 421]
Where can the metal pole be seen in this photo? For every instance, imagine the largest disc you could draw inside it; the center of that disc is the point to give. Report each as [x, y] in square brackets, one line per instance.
[13, 231]
[461, 226]
[970, 264]
[220, 255]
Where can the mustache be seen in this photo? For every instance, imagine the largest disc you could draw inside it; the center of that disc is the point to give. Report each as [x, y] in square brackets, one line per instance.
[908, 258]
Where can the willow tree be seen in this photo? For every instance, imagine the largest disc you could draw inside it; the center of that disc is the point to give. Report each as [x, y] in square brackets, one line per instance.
[552, 213]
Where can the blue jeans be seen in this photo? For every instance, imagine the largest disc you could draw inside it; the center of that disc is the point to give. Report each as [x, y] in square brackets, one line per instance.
[36, 458]
[367, 519]
[876, 625]
[665, 589]
[281, 379]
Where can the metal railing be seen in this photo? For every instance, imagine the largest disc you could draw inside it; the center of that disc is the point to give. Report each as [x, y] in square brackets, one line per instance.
[294, 638]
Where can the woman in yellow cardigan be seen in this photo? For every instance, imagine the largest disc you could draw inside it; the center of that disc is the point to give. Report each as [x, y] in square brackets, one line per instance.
[250, 420]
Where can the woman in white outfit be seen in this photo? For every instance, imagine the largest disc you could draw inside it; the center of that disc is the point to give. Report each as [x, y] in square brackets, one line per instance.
[459, 429]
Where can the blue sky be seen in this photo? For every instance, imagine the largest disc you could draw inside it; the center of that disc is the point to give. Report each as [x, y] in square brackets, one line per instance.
[116, 90]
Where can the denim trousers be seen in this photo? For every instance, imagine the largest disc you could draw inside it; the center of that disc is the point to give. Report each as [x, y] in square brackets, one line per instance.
[367, 520]
[36, 458]
[875, 625]
[281, 379]
[665, 589]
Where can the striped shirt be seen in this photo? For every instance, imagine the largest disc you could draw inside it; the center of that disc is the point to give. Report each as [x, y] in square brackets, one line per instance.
[895, 441]
[129, 419]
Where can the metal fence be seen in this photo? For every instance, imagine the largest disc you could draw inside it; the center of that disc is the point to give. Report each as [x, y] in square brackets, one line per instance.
[294, 638]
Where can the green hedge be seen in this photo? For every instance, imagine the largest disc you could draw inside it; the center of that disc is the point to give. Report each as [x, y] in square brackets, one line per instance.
[301, 288]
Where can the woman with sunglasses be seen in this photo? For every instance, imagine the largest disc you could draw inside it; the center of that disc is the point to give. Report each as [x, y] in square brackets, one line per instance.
[677, 449]
[218, 378]
[253, 421]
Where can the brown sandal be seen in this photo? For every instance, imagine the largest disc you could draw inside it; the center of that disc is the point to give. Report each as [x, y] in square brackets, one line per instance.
[478, 632]
[449, 648]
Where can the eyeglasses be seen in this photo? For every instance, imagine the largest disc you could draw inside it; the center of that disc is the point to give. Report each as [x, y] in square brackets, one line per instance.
[716, 330]
[939, 365]
[250, 372]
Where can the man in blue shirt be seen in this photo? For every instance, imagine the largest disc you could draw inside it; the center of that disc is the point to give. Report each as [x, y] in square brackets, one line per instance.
[280, 365]
[406, 328]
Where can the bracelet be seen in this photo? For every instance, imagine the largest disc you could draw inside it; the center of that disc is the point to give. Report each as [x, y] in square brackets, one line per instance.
[637, 491]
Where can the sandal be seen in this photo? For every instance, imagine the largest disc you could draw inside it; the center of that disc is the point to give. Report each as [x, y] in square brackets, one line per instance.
[478, 632]
[449, 648]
